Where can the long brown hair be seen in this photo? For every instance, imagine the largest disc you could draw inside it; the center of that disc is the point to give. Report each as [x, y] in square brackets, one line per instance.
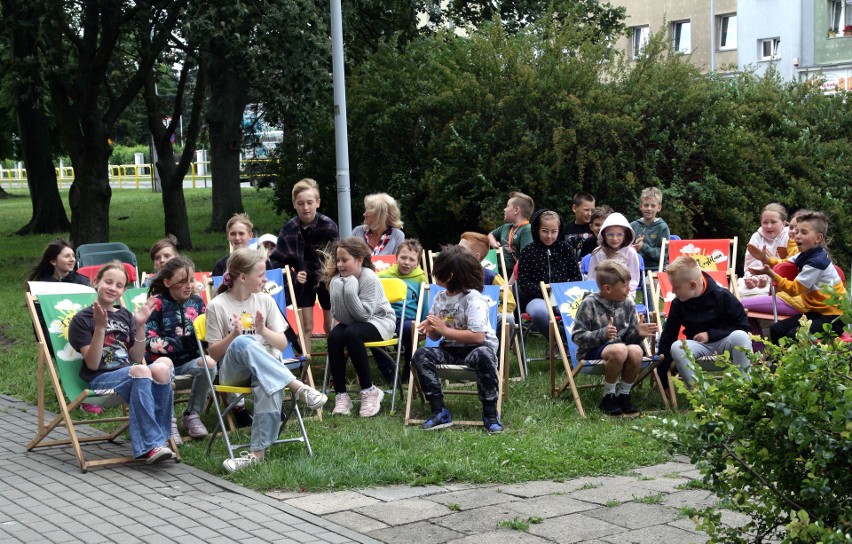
[51, 253]
[354, 246]
[167, 272]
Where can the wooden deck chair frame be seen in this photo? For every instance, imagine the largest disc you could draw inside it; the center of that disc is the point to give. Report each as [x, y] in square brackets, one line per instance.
[571, 365]
[64, 378]
[223, 417]
[456, 372]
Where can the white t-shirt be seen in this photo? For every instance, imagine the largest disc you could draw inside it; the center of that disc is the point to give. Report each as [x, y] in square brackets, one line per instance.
[223, 308]
[465, 312]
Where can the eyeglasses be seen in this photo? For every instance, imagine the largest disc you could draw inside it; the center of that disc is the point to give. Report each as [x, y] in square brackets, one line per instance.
[615, 235]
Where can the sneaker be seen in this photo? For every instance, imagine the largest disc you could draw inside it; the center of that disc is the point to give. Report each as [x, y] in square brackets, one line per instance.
[627, 408]
[176, 433]
[238, 463]
[312, 398]
[342, 405]
[492, 425]
[92, 408]
[161, 453]
[193, 425]
[609, 405]
[242, 418]
[439, 420]
[371, 401]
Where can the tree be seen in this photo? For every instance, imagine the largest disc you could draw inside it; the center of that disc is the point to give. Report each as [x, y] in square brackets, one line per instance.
[83, 44]
[25, 84]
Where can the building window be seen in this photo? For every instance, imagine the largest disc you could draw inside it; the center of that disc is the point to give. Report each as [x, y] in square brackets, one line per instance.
[728, 31]
[682, 37]
[840, 15]
[769, 48]
[641, 35]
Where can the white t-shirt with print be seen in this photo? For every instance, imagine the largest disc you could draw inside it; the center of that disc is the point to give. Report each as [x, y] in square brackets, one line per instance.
[465, 311]
[223, 308]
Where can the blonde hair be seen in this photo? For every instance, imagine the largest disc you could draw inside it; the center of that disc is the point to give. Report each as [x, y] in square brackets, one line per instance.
[354, 246]
[112, 265]
[611, 273]
[239, 218]
[305, 184]
[241, 261]
[477, 239]
[651, 192]
[385, 210]
[817, 219]
[522, 201]
[684, 268]
[777, 208]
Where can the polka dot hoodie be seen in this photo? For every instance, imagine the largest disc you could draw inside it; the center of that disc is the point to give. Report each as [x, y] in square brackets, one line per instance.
[550, 264]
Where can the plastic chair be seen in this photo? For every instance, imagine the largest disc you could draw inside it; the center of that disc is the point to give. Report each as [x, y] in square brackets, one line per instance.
[92, 271]
[87, 249]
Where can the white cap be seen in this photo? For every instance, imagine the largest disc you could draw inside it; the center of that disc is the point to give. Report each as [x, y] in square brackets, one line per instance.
[268, 238]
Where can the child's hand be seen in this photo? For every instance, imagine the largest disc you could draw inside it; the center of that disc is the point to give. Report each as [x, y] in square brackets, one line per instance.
[647, 329]
[611, 331]
[143, 312]
[259, 323]
[302, 276]
[639, 243]
[237, 322]
[759, 253]
[100, 315]
[701, 337]
[765, 269]
[436, 324]
[750, 283]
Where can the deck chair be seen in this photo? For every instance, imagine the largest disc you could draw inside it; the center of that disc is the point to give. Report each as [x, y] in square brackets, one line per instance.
[92, 271]
[383, 262]
[62, 372]
[103, 257]
[458, 372]
[712, 254]
[567, 298]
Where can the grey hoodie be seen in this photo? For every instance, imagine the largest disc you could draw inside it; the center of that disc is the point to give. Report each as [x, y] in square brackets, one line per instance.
[651, 246]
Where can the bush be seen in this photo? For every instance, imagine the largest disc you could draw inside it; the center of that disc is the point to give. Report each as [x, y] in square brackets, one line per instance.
[122, 154]
[776, 445]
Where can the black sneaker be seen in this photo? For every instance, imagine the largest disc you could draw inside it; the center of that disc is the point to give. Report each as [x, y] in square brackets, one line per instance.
[627, 409]
[242, 418]
[609, 405]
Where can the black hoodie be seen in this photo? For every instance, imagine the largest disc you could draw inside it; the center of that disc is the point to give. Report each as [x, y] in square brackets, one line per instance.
[550, 264]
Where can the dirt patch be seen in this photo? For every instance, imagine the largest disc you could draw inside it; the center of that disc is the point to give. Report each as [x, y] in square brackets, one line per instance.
[5, 341]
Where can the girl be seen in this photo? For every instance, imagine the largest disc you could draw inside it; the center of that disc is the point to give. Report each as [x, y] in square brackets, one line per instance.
[161, 252]
[615, 241]
[106, 337]
[382, 224]
[239, 229]
[459, 315]
[549, 259]
[363, 314]
[816, 270]
[245, 332]
[57, 264]
[171, 337]
[772, 235]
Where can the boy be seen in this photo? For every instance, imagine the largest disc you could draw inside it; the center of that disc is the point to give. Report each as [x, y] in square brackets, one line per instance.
[579, 230]
[650, 229]
[712, 318]
[607, 327]
[599, 215]
[408, 270]
[299, 243]
[515, 233]
[477, 244]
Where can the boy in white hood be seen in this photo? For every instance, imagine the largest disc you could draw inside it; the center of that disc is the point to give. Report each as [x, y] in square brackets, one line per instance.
[615, 241]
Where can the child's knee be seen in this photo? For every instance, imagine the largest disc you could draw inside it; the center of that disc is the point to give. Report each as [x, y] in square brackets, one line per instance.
[211, 362]
[616, 353]
[140, 371]
[161, 373]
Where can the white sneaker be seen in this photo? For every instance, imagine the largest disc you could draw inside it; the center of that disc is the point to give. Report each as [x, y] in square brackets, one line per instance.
[342, 405]
[245, 459]
[312, 398]
[176, 433]
[371, 401]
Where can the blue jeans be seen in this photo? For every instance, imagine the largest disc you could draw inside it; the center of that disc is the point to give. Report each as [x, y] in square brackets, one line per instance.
[200, 386]
[247, 363]
[537, 308]
[150, 410]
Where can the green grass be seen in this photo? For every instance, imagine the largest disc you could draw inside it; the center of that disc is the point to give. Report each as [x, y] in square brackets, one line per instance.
[519, 524]
[544, 438]
[650, 499]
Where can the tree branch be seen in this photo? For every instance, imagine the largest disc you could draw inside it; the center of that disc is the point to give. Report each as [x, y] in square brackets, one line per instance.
[769, 486]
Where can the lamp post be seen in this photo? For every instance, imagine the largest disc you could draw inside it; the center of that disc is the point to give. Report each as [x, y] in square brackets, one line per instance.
[341, 139]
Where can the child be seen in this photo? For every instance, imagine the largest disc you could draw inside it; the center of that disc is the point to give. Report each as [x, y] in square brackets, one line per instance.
[106, 336]
[607, 327]
[515, 233]
[300, 243]
[240, 230]
[615, 243]
[408, 270]
[771, 235]
[268, 241]
[815, 272]
[57, 264]
[650, 230]
[579, 230]
[459, 315]
[161, 252]
[598, 217]
[712, 318]
[549, 259]
[477, 244]
[245, 333]
[363, 314]
[170, 336]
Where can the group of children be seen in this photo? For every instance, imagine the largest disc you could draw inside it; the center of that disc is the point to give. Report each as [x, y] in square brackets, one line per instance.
[246, 331]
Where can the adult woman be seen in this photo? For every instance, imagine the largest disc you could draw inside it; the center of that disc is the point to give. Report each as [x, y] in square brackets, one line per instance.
[382, 224]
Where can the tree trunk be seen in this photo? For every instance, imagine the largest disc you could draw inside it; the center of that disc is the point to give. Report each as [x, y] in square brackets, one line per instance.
[228, 100]
[48, 211]
[91, 193]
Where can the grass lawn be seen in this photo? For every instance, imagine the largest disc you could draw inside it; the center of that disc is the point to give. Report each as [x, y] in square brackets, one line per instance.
[545, 438]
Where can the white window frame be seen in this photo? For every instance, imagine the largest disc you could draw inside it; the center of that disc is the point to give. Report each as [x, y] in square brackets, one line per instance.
[639, 39]
[839, 15]
[773, 44]
[725, 31]
[682, 36]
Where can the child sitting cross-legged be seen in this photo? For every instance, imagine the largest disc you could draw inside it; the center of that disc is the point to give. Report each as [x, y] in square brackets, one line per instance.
[607, 327]
[459, 315]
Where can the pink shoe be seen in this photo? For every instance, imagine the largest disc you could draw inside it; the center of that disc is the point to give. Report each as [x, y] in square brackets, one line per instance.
[92, 408]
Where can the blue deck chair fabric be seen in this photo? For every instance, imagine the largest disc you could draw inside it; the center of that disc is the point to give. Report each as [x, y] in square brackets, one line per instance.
[274, 287]
[584, 265]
